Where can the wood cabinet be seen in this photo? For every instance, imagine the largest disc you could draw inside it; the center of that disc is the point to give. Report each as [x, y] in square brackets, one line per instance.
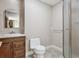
[12, 47]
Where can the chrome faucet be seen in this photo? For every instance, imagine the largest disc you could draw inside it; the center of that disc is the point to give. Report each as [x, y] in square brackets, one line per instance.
[12, 32]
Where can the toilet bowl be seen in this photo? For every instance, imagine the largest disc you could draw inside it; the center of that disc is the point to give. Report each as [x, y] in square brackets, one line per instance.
[38, 49]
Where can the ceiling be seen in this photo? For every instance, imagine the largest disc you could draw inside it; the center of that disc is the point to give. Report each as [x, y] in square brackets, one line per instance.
[50, 2]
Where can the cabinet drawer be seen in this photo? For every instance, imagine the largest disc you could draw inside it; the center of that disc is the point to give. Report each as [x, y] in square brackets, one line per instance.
[19, 38]
[19, 53]
[18, 44]
[5, 44]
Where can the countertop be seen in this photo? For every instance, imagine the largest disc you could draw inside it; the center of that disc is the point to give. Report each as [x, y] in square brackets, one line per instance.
[11, 35]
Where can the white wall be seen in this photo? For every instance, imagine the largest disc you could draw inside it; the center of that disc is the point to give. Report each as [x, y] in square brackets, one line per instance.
[57, 25]
[38, 21]
[7, 4]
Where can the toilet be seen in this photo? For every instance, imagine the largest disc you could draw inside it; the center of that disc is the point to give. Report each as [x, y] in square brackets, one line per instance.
[37, 48]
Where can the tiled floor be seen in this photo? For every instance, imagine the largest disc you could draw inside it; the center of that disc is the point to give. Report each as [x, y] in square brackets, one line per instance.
[53, 53]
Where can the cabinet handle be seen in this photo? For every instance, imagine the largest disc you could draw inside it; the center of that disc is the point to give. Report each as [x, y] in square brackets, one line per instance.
[0, 43]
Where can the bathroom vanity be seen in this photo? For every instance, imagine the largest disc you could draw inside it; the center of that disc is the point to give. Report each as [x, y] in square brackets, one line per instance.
[13, 46]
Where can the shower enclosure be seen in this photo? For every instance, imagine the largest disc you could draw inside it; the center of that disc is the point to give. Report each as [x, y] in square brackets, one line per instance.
[71, 28]
[43, 19]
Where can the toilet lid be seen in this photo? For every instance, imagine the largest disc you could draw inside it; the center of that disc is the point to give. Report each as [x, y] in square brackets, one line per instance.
[40, 47]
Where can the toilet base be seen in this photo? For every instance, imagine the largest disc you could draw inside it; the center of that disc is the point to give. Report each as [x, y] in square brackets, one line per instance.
[39, 55]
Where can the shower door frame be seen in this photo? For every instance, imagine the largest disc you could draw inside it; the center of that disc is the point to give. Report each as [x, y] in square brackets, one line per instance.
[67, 29]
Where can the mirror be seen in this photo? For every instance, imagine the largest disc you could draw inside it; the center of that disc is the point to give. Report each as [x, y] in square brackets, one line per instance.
[11, 19]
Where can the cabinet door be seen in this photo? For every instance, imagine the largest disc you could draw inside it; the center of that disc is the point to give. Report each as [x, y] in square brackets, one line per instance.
[18, 44]
[20, 53]
[5, 50]
[19, 48]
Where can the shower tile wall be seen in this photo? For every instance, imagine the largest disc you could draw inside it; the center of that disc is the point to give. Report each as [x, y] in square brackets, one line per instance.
[57, 25]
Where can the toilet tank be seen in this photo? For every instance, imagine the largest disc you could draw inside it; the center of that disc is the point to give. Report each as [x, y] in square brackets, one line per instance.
[34, 42]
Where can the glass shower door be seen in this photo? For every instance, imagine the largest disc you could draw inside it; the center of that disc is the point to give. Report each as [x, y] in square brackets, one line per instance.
[71, 28]
[75, 28]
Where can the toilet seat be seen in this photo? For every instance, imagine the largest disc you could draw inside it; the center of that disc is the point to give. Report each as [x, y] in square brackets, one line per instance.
[40, 47]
